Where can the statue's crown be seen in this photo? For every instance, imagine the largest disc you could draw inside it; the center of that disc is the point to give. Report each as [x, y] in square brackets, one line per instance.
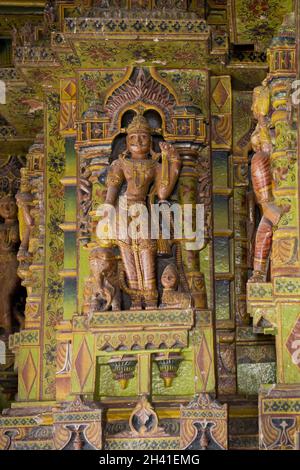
[138, 124]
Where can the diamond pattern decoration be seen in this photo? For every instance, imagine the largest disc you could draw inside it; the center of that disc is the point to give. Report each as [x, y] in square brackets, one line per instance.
[70, 89]
[220, 95]
[293, 343]
[204, 361]
[29, 373]
[83, 363]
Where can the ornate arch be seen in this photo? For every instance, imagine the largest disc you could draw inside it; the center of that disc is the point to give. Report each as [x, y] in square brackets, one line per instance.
[141, 87]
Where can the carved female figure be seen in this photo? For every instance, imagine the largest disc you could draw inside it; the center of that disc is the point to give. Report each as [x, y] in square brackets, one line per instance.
[140, 168]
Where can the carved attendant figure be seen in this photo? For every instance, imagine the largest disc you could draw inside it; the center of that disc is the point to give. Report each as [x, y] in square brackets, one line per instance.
[171, 297]
[9, 242]
[262, 183]
[102, 285]
[139, 167]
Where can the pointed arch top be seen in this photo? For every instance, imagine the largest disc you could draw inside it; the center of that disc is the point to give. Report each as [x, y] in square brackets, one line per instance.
[141, 87]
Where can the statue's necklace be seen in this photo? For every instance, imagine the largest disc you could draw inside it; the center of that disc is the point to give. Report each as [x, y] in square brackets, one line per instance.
[138, 169]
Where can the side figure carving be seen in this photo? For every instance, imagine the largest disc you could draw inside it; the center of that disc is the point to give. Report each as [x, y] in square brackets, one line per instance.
[262, 184]
[101, 290]
[9, 244]
[171, 298]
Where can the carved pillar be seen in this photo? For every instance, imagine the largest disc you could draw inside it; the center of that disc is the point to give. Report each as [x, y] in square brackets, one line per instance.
[26, 344]
[283, 159]
[274, 305]
[188, 194]
[93, 156]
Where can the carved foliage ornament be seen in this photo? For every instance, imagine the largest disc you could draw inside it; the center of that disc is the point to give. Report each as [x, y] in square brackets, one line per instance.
[140, 88]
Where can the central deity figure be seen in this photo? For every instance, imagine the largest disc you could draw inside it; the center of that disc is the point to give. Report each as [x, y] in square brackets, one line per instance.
[139, 166]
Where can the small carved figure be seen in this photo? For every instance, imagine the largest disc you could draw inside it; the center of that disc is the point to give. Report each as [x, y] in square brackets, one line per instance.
[9, 243]
[171, 297]
[50, 14]
[27, 34]
[141, 172]
[24, 201]
[101, 291]
[262, 184]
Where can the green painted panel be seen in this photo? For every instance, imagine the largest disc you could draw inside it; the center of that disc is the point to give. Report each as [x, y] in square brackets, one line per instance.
[221, 210]
[240, 208]
[71, 169]
[222, 300]
[220, 169]
[205, 267]
[222, 260]
[251, 376]
[70, 250]
[70, 303]
[70, 204]
[84, 271]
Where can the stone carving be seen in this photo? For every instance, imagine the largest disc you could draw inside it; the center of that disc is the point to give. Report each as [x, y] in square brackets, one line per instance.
[141, 88]
[171, 297]
[24, 201]
[101, 290]
[135, 168]
[9, 242]
[262, 183]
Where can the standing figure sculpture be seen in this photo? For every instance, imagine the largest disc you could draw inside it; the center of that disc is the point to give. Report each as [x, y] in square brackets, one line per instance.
[140, 168]
[101, 290]
[9, 243]
[262, 184]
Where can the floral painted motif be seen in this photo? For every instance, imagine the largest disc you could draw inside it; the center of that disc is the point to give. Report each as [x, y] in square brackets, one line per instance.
[93, 86]
[126, 53]
[54, 243]
[258, 20]
[190, 86]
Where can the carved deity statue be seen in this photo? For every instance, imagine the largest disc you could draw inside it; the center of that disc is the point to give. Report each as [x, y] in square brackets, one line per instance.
[9, 243]
[140, 168]
[262, 183]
